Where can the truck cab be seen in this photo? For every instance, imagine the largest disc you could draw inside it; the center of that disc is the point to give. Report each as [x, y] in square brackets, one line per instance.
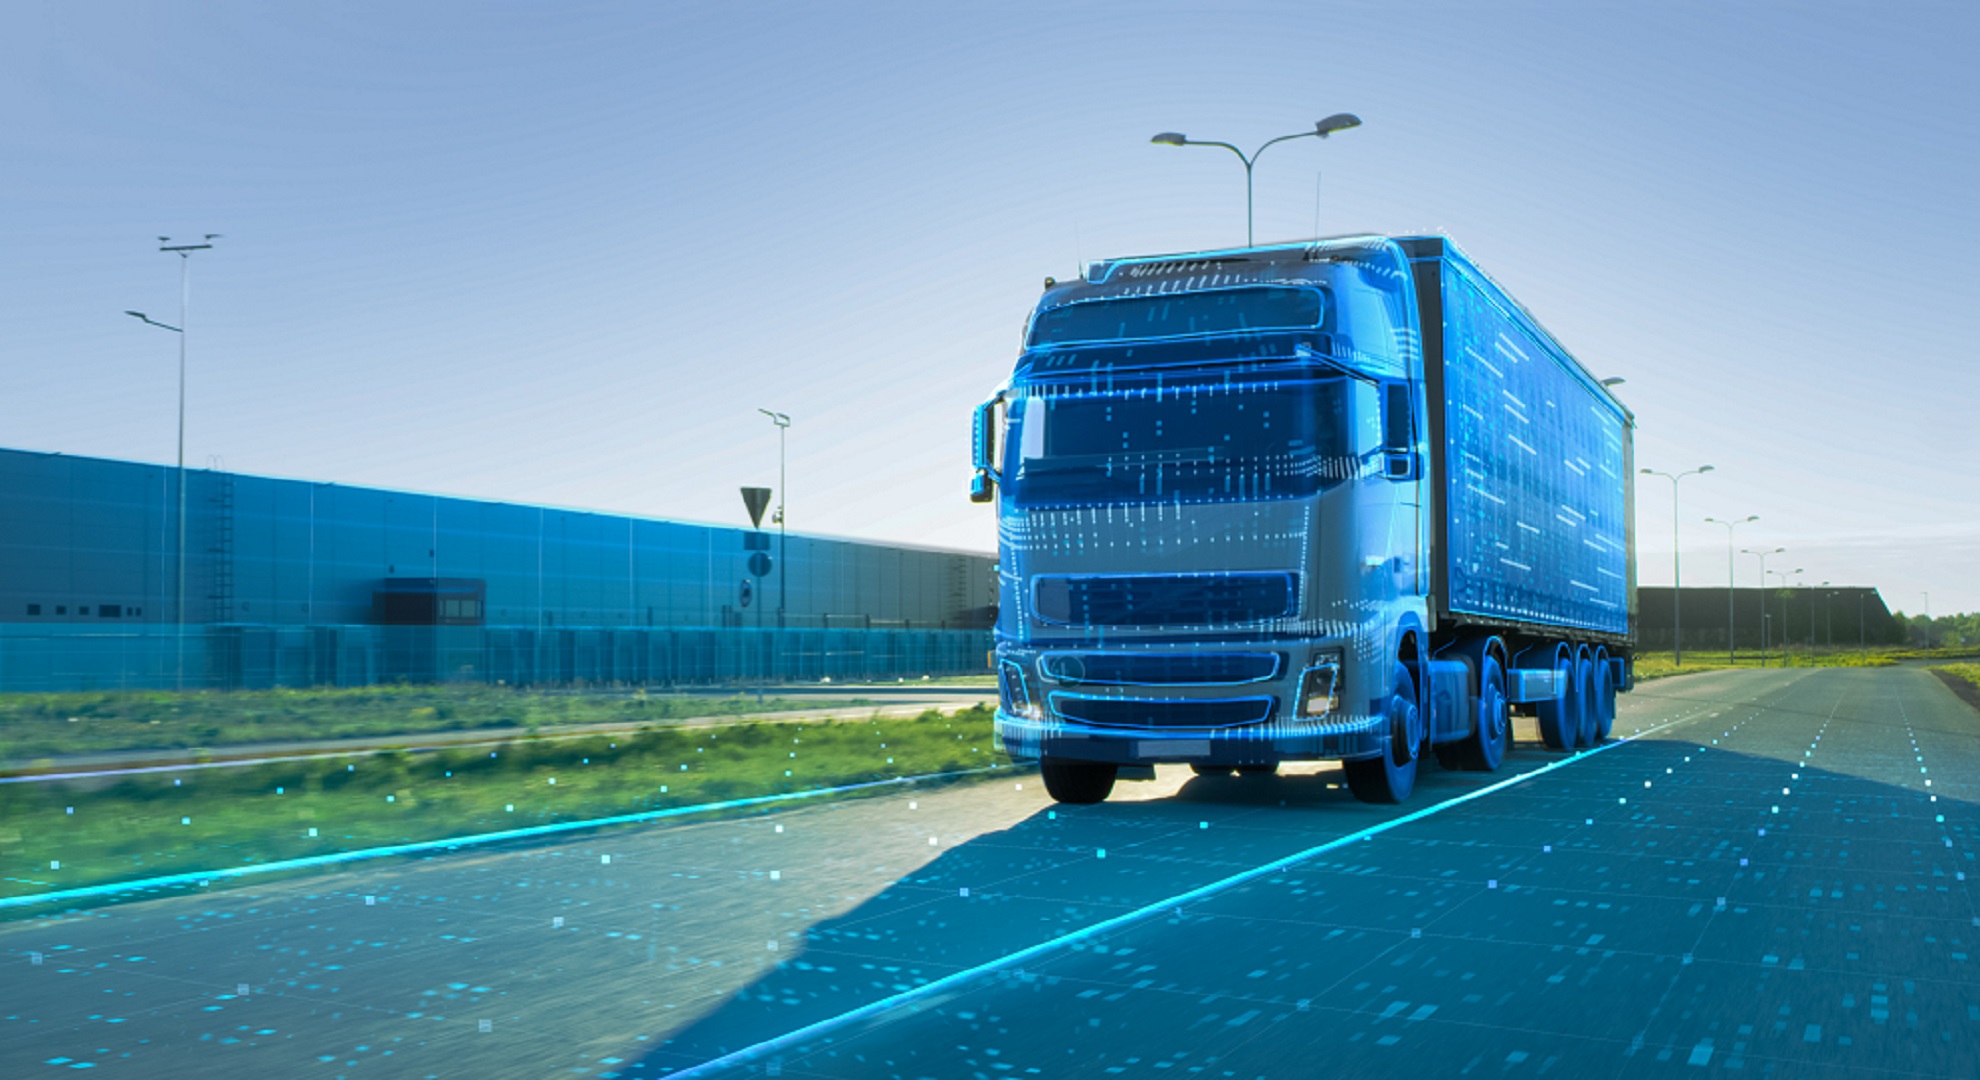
[1207, 472]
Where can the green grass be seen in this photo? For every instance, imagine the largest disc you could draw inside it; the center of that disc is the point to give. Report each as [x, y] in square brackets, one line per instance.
[167, 823]
[43, 725]
[1968, 672]
[1658, 665]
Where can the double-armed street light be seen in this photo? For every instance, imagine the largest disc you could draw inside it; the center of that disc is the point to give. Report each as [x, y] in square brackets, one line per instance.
[1763, 595]
[1321, 129]
[1677, 578]
[1731, 646]
[184, 252]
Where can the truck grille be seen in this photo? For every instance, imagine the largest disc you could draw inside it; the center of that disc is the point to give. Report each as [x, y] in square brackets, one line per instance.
[1134, 713]
[1164, 599]
[1161, 669]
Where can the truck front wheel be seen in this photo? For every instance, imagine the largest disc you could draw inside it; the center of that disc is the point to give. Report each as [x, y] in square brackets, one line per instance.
[1079, 782]
[1391, 777]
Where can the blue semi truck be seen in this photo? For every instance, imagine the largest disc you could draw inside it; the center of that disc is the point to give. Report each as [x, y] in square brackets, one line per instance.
[1342, 499]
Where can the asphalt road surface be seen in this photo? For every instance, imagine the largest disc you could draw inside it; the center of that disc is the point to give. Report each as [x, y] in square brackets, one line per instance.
[1769, 879]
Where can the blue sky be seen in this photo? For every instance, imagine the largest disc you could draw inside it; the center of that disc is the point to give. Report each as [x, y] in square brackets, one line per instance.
[562, 253]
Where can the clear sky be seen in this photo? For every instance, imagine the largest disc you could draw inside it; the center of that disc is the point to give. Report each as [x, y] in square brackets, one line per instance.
[563, 252]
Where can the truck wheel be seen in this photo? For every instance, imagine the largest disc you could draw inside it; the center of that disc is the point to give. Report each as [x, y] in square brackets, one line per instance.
[1584, 692]
[1391, 777]
[1604, 705]
[1080, 782]
[1486, 747]
[1258, 770]
[1559, 720]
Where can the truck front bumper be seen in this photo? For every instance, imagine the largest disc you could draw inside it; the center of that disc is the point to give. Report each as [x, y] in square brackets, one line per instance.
[1170, 702]
[1336, 737]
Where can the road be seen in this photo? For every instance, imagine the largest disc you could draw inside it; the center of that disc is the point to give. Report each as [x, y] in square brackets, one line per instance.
[1759, 881]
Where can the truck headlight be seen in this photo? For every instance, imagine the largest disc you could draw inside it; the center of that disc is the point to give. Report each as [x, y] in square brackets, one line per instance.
[1320, 686]
[1016, 694]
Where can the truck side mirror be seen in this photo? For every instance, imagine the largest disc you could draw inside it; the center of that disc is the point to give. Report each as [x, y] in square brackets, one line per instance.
[1399, 458]
[1398, 423]
[983, 452]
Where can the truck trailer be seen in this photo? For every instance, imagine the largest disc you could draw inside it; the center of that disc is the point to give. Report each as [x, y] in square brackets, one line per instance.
[1333, 500]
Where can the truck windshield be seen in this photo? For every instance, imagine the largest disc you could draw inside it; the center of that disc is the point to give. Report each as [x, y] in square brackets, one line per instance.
[1221, 311]
[1208, 440]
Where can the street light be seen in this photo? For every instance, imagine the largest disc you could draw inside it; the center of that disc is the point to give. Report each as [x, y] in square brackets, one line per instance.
[184, 252]
[783, 423]
[1787, 592]
[1677, 579]
[1321, 129]
[1731, 654]
[1763, 596]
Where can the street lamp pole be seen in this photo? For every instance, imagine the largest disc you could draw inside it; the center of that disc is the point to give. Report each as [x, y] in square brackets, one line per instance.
[783, 423]
[1732, 656]
[184, 252]
[1677, 578]
[1763, 596]
[1787, 592]
[1321, 129]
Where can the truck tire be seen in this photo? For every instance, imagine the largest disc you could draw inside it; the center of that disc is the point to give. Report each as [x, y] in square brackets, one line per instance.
[1560, 722]
[1271, 769]
[1605, 697]
[1078, 782]
[1391, 777]
[1486, 747]
[1584, 692]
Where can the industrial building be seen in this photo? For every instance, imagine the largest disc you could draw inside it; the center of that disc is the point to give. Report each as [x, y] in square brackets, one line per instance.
[299, 583]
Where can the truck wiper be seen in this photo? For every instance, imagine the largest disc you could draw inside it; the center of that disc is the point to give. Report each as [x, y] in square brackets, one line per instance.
[1303, 351]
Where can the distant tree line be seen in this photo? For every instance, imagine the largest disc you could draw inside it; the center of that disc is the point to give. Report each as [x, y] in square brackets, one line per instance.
[1943, 631]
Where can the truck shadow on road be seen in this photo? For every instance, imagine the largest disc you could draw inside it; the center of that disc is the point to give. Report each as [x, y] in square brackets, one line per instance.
[1067, 868]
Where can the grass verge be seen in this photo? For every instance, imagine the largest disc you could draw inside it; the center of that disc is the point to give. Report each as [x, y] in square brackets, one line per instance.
[46, 725]
[1962, 679]
[69, 834]
[1660, 665]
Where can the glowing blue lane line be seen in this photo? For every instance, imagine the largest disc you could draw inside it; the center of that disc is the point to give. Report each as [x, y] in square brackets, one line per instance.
[332, 858]
[1201, 892]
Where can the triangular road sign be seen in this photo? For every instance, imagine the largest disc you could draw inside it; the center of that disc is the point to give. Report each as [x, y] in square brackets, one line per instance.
[757, 499]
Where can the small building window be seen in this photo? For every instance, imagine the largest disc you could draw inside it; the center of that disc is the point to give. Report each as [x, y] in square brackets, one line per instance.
[109, 611]
[34, 609]
[61, 609]
[82, 609]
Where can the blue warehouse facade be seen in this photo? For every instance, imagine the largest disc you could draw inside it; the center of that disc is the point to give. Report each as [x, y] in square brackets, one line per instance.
[299, 583]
